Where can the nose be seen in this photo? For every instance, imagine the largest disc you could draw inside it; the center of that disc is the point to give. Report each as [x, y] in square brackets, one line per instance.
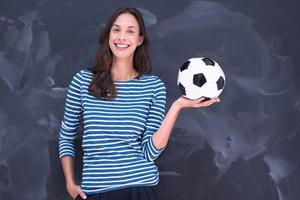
[122, 36]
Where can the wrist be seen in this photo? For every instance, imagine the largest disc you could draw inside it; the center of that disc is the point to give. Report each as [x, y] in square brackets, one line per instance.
[70, 184]
[176, 106]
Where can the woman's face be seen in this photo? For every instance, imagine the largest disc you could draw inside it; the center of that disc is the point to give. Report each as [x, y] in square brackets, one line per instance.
[124, 36]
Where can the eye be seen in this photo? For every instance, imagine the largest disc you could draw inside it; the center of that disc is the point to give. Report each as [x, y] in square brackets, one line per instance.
[115, 30]
[130, 31]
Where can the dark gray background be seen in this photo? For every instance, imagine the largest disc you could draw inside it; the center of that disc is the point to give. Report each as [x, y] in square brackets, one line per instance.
[245, 147]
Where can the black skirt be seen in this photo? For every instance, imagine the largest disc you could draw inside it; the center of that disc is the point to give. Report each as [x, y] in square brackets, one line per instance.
[132, 193]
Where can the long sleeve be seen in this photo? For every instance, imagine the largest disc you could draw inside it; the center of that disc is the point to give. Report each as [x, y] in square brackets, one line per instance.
[71, 118]
[154, 119]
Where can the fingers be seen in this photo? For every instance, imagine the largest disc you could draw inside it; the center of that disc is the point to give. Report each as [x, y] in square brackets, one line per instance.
[216, 99]
[201, 103]
[81, 193]
[200, 100]
[207, 103]
[213, 100]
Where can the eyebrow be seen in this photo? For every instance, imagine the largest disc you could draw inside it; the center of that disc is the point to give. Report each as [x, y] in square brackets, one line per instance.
[127, 27]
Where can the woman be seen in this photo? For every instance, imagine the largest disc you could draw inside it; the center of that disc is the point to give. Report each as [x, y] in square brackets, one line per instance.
[125, 128]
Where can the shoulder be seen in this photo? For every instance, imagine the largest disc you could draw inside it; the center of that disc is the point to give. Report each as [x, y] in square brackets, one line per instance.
[154, 80]
[82, 76]
[158, 86]
[84, 73]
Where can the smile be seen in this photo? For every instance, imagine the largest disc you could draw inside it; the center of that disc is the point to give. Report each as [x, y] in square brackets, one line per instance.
[122, 45]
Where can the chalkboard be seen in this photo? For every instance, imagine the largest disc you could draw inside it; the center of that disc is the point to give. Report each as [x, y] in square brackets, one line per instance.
[245, 147]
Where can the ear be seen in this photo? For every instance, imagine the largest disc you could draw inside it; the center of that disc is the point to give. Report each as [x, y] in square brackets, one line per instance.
[141, 39]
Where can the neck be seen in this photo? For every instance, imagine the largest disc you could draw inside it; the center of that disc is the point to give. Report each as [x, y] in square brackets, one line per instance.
[122, 70]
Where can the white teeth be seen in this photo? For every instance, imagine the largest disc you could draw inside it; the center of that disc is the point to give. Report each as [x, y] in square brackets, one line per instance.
[122, 45]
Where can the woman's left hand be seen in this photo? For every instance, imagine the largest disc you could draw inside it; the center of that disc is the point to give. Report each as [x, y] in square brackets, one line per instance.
[184, 102]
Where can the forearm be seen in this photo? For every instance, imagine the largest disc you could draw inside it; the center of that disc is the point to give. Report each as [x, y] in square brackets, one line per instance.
[67, 163]
[162, 135]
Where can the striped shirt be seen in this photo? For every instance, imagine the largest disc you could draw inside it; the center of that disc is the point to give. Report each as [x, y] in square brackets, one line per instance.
[117, 138]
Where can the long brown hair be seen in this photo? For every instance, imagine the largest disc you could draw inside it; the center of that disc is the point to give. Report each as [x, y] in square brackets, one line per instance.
[102, 85]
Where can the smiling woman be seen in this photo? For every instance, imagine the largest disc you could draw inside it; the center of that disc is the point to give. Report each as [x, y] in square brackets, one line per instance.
[123, 110]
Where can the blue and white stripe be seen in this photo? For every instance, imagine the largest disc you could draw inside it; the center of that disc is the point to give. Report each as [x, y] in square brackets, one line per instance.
[117, 139]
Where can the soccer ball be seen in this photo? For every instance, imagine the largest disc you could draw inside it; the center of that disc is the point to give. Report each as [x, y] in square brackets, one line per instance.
[200, 77]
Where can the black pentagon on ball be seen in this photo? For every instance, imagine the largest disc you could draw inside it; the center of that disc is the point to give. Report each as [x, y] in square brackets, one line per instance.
[185, 65]
[182, 89]
[208, 61]
[199, 79]
[220, 83]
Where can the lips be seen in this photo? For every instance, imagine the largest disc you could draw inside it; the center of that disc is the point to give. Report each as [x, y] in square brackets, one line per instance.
[121, 46]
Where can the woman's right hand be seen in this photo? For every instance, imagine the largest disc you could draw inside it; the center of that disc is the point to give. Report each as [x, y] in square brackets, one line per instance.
[75, 190]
